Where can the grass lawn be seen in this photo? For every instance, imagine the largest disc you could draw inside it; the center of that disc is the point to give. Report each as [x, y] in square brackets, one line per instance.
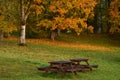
[20, 63]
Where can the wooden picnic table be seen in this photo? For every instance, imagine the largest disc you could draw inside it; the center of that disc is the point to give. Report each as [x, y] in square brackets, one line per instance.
[63, 66]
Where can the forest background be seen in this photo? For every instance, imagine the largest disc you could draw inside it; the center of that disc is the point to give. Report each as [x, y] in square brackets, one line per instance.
[50, 18]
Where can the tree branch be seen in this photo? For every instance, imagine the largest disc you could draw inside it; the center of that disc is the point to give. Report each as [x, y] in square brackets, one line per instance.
[27, 12]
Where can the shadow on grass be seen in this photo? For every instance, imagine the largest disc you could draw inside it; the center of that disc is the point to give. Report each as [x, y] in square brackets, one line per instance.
[58, 76]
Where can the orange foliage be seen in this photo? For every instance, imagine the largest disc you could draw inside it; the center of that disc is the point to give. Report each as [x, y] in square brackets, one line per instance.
[90, 28]
[83, 8]
[33, 7]
[38, 9]
[38, 1]
[114, 16]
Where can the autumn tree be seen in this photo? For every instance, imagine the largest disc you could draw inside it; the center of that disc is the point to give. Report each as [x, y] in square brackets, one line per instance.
[7, 17]
[28, 7]
[69, 14]
[114, 16]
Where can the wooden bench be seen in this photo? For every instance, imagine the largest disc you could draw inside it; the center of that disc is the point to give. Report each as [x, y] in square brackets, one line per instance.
[47, 69]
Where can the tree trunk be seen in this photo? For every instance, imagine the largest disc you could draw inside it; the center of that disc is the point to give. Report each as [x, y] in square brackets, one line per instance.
[22, 36]
[99, 30]
[23, 25]
[53, 35]
[58, 31]
[1, 35]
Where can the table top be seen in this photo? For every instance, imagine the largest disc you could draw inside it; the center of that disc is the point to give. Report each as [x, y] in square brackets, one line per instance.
[61, 62]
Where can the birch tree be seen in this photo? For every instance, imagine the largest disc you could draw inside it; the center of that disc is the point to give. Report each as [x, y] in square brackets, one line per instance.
[27, 7]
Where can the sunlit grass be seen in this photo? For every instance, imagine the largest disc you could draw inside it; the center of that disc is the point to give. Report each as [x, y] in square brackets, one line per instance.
[69, 45]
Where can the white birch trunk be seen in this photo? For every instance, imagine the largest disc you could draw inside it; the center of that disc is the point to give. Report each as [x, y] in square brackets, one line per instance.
[23, 34]
[24, 15]
[23, 25]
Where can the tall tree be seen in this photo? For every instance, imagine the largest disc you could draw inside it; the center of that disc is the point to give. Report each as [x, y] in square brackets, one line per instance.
[69, 14]
[27, 7]
[115, 16]
[7, 17]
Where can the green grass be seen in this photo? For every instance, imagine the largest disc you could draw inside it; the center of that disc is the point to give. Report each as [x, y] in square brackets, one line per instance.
[92, 39]
[20, 63]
